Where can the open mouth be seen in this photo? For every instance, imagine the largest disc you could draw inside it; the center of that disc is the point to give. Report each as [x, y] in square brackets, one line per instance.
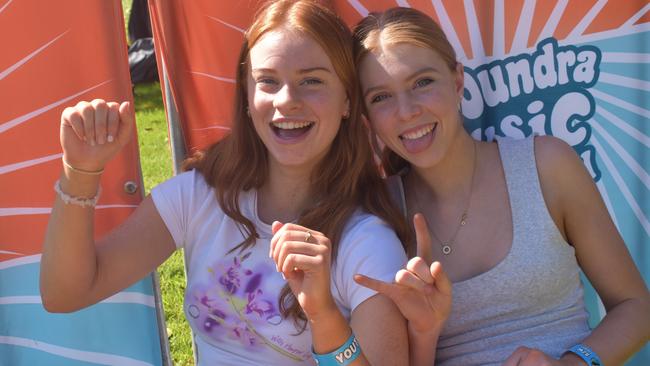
[418, 139]
[290, 130]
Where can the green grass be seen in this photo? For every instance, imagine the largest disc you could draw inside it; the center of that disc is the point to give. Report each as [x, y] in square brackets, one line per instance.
[155, 161]
[126, 10]
[156, 164]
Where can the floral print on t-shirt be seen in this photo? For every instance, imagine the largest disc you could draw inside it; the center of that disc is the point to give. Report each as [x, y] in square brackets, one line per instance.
[234, 301]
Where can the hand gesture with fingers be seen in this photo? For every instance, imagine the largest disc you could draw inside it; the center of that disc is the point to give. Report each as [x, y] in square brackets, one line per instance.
[422, 292]
[92, 133]
[303, 257]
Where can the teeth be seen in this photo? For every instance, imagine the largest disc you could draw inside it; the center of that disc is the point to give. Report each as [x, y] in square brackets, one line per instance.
[291, 125]
[417, 134]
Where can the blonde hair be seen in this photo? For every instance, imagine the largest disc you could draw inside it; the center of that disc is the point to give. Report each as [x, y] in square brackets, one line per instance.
[394, 26]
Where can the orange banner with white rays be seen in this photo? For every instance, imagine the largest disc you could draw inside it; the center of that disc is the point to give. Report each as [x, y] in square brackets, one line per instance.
[55, 54]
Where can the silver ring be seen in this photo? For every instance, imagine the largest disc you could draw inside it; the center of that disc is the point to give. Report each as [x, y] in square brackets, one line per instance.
[308, 236]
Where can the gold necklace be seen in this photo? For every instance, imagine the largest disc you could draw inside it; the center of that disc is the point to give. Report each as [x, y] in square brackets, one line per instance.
[446, 247]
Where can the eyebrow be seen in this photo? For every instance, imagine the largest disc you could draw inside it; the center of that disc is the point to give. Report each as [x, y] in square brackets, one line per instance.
[410, 77]
[301, 71]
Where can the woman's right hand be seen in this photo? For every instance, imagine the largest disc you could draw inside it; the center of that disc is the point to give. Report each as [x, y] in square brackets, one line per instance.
[422, 292]
[92, 133]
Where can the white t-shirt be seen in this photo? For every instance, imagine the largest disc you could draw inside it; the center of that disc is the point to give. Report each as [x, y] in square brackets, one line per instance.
[231, 299]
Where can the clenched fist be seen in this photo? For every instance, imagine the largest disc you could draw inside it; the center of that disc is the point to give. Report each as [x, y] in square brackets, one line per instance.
[92, 133]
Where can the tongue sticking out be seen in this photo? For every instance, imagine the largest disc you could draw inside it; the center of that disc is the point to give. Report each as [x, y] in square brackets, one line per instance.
[419, 144]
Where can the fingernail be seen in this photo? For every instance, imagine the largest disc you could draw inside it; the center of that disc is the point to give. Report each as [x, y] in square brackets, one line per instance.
[92, 142]
[282, 274]
[110, 138]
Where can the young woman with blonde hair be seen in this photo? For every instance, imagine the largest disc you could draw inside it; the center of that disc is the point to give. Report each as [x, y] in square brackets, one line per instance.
[512, 222]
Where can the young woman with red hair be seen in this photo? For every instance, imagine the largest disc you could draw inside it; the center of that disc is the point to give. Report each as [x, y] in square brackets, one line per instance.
[275, 219]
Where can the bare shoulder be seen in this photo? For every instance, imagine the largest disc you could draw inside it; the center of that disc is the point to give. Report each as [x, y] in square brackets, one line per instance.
[564, 180]
[554, 156]
[558, 165]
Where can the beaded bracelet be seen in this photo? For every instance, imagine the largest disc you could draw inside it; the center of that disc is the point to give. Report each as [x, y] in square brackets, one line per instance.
[72, 200]
[81, 171]
[343, 356]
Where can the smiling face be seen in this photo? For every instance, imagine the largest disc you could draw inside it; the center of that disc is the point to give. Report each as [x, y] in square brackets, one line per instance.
[295, 98]
[412, 99]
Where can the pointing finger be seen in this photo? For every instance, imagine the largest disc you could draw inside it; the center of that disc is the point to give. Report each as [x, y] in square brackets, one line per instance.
[423, 238]
[382, 287]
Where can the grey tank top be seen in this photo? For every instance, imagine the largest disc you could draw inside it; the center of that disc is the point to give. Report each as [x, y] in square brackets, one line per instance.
[533, 297]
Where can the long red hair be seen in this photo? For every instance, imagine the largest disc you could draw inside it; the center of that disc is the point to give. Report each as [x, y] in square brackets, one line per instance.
[343, 181]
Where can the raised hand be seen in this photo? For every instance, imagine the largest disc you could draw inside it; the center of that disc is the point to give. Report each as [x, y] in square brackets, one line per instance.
[92, 133]
[303, 257]
[422, 292]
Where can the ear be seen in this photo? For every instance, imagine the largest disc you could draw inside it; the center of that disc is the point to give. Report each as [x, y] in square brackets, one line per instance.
[346, 114]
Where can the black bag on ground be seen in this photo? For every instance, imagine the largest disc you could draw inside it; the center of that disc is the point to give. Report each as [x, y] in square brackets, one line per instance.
[139, 22]
[142, 61]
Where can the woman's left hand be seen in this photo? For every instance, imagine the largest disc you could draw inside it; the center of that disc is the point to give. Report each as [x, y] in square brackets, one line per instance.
[422, 291]
[524, 356]
[303, 256]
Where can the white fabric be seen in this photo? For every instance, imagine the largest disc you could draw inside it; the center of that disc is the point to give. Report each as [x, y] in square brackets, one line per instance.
[231, 299]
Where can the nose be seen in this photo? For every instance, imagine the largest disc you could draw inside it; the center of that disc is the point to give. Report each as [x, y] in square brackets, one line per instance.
[287, 98]
[407, 107]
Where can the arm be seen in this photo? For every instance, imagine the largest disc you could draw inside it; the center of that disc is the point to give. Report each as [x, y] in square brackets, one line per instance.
[76, 271]
[422, 294]
[424, 303]
[304, 260]
[381, 331]
[581, 215]
[378, 326]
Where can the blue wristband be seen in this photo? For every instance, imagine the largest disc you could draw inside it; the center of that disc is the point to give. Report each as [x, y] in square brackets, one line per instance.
[343, 356]
[587, 354]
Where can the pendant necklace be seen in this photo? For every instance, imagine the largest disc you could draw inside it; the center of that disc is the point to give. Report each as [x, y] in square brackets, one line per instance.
[446, 246]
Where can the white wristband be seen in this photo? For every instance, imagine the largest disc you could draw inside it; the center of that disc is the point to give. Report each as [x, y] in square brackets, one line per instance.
[72, 200]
